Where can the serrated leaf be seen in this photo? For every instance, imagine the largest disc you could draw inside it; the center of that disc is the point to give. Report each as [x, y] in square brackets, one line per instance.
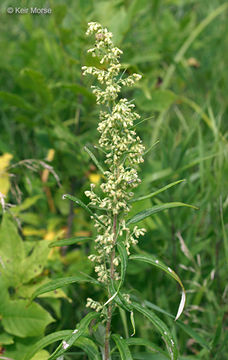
[155, 209]
[84, 206]
[122, 346]
[151, 259]
[157, 192]
[71, 241]
[59, 283]
[161, 327]
[70, 340]
[93, 157]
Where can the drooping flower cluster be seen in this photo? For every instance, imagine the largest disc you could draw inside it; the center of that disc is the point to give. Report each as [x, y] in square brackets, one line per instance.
[124, 152]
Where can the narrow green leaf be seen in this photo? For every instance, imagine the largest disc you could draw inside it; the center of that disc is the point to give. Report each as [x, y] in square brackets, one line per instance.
[59, 283]
[45, 341]
[89, 347]
[151, 259]
[93, 157]
[161, 327]
[69, 340]
[144, 342]
[157, 192]
[71, 241]
[84, 206]
[186, 328]
[155, 209]
[122, 346]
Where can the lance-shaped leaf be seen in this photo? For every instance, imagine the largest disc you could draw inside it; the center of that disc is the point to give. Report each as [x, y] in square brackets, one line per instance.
[186, 328]
[161, 327]
[59, 283]
[84, 206]
[76, 334]
[93, 157]
[150, 259]
[71, 241]
[157, 192]
[144, 342]
[122, 346]
[155, 209]
[89, 347]
[45, 341]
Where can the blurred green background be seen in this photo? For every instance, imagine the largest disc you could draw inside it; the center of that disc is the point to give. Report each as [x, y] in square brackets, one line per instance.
[48, 114]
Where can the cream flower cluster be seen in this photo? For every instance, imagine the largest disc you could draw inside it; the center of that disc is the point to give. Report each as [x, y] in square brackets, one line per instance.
[124, 152]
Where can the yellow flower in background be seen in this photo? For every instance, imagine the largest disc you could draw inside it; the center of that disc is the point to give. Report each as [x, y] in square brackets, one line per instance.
[94, 178]
[4, 176]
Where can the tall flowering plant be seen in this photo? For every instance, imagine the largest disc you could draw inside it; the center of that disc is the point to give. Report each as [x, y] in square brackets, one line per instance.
[108, 207]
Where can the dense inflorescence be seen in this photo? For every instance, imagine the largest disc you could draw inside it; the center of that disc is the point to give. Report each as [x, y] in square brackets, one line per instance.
[124, 152]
